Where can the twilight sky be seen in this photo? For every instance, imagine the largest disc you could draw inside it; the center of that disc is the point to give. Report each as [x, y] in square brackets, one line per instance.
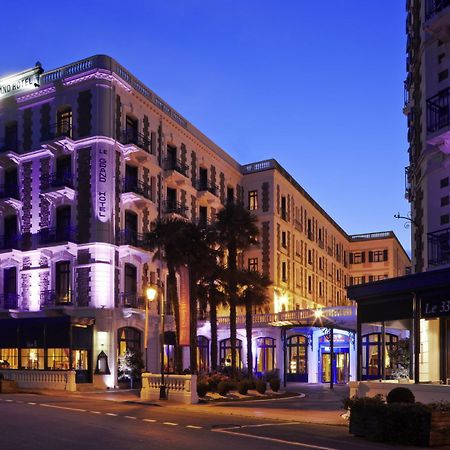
[317, 85]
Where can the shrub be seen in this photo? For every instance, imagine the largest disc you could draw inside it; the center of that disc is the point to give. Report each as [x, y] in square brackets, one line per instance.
[214, 379]
[202, 388]
[224, 387]
[269, 375]
[275, 384]
[261, 386]
[400, 395]
[243, 387]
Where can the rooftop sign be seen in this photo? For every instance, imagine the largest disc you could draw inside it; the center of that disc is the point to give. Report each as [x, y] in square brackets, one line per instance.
[20, 82]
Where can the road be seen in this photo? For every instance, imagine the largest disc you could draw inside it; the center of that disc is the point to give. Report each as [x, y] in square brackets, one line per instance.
[38, 422]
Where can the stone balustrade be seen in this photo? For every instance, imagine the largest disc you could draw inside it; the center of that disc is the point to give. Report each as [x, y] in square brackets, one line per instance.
[179, 388]
[42, 379]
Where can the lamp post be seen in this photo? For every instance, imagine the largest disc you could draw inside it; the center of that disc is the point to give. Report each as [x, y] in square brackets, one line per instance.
[151, 295]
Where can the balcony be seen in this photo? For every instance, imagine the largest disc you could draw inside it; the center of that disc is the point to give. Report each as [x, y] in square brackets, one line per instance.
[10, 196]
[208, 193]
[11, 242]
[9, 301]
[49, 236]
[433, 7]
[172, 207]
[439, 247]
[10, 145]
[58, 186]
[54, 298]
[130, 300]
[135, 191]
[133, 238]
[438, 120]
[178, 171]
[58, 132]
[133, 138]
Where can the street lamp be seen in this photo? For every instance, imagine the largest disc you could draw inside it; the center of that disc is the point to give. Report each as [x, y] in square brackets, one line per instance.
[151, 293]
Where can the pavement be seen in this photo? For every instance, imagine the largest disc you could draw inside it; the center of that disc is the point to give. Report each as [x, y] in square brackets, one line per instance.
[314, 404]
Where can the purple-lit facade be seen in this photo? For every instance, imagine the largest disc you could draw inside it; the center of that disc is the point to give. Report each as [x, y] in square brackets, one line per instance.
[89, 158]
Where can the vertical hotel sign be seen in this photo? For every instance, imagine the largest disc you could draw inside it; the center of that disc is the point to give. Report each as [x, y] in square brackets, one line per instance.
[103, 193]
[20, 82]
[184, 304]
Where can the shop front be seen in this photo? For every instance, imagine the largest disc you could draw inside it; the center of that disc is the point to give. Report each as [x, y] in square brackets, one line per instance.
[337, 367]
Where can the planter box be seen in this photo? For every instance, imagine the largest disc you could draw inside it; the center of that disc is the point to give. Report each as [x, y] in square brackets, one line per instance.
[8, 387]
[440, 428]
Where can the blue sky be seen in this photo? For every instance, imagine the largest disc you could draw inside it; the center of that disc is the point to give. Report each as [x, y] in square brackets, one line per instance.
[316, 85]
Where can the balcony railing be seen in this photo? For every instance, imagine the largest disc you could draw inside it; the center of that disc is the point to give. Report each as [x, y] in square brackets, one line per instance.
[433, 7]
[131, 237]
[172, 207]
[8, 242]
[177, 165]
[138, 139]
[56, 235]
[438, 111]
[439, 247]
[55, 298]
[9, 301]
[57, 130]
[130, 300]
[138, 187]
[11, 145]
[9, 191]
[203, 186]
[55, 181]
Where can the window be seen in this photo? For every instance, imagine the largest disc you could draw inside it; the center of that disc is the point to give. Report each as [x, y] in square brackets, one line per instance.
[265, 356]
[129, 339]
[230, 195]
[252, 200]
[253, 264]
[11, 134]
[444, 182]
[297, 347]
[32, 358]
[371, 354]
[310, 258]
[131, 130]
[445, 219]
[377, 277]
[445, 200]
[57, 359]
[283, 208]
[62, 282]
[130, 285]
[357, 280]
[441, 57]
[320, 289]
[202, 353]
[9, 358]
[63, 223]
[225, 353]
[443, 75]
[283, 271]
[309, 284]
[357, 257]
[321, 263]
[378, 255]
[64, 122]
[283, 239]
[80, 359]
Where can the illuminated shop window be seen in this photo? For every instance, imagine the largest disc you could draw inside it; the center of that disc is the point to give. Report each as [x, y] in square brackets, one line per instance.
[9, 358]
[32, 358]
[265, 357]
[297, 354]
[225, 353]
[202, 353]
[80, 360]
[252, 200]
[57, 358]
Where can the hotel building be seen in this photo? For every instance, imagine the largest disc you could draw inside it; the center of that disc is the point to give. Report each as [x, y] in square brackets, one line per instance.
[89, 159]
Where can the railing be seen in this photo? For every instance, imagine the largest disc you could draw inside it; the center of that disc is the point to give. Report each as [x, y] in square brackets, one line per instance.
[10, 242]
[54, 180]
[363, 237]
[10, 146]
[433, 7]
[181, 388]
[54, 298]
[258, 166]
[439, 247]
[130, 300]
[57, 130]
[67, 71]
[138, 187]
[42, 379]
[56, 235]
[438, 111]
[131, 237]
[172, 207]
[177, 165]
[9, 191]
[209, 187]
[131, 136]
[9, 301]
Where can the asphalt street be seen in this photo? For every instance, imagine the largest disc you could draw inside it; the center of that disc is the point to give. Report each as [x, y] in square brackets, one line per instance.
[38, 422]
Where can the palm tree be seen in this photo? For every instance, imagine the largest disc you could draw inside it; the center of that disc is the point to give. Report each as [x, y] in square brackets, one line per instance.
[253, 293]
[236, 231]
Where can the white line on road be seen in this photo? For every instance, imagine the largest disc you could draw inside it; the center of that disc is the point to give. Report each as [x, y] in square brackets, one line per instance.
[195, 427]
[279, 441]
[170, 423]
[8, 400]
[31, 403]
[62, 407]
[149, 420]
[95, 412]
[130, 417]
[110, 414]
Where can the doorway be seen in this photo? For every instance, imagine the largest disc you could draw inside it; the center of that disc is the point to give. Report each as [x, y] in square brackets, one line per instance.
[340, 369]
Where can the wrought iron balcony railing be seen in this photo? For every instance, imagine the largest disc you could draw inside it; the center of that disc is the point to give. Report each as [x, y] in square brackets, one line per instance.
[132, 237]
[10, 145]
[56, 298]
[438, 111]
[55, 180]
[172, 207]
[57, 235]
[131, 136]
[209, 187]
[130, 300]
[433, 7]
[138, 187]
[58, 130]
[9, 301]
[9, 242]
[439, 247]
[177, 165]
[9, 191]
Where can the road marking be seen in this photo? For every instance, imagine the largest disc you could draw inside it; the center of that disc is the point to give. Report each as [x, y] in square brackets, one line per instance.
[8, 400]
[149, 420]
[95, 412]
[20, 401]
[130, 417]
[62, 407]
[31, 403]
[278, 441]
[110, 414]
[170, 423]
[195, 427]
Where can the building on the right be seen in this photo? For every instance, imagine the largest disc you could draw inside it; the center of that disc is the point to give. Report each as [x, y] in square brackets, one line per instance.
[411, 314]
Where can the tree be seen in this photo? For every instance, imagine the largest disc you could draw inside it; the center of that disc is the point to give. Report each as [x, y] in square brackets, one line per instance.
[236, 231]
[253, 293]
[130, 366]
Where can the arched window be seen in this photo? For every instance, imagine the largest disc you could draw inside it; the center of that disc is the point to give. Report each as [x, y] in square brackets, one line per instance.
[225, 353]
[265, 355]
[297, 349]
[128, 339]
[202, 353]
[371, 354]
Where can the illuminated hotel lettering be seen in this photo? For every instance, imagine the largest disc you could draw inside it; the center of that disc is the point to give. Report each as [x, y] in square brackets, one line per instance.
[102, 183]
[20, 82]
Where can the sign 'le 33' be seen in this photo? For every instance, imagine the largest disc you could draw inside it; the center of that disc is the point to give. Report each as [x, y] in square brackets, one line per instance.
[21, 82]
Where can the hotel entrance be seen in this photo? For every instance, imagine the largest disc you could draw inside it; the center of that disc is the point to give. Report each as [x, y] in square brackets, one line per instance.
[340, 367]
